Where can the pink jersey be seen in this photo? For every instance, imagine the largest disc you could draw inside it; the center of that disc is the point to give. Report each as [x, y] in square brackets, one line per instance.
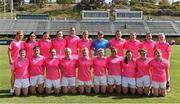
[52, 68]
[68, 67]
[29, 48]
[142, 67]
[100, 65]
[14, 48]
[72, 43]
[118, 44]
[59, 45]
[85, 44]
[114, 65]
[45, 47]
[21, 68]
[36, 65]
[133, 46]
[129, 69]
[159, 70]
[150, 47]
[84, 69]
[165, 49]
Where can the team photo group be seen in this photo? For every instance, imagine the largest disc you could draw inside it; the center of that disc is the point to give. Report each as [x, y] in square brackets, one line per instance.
[72, 65]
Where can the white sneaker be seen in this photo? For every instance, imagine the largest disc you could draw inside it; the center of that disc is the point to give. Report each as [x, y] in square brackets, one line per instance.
[11, 91]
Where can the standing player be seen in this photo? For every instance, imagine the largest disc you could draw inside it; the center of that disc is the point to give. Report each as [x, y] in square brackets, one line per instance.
[68, 69]
[59, 43]
[149, 45]
[163, 46]
[129, 73]
[100, 43]
[100, 65]
[118, 43]
[133, 45]
[85, 42]
[36, 66]
[52, 65]
[29, 44]
[143, 79]
[114, 71]
[84, 72]
[13, 53]
[21, 73]
[45, 45]
[160, 74]
[72, 42]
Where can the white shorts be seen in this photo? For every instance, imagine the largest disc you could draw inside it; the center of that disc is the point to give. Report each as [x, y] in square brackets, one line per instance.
[158, 85]
[21, 83]
[84, 83]
[100, 80]
[114, 80]
[53, 83]
[36, 80]
[128, 82]
[144, 81]
[68, 81]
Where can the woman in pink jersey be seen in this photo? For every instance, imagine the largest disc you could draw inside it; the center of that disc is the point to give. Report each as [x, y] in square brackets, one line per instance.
[21, 73]
[133, 45]
[68, 69]
[149, 45]
[114, 71]
[118, 43]
[160, 74]
[45, 45]
[163, 46]
[13, 53]
[52, 65]
[59, 43]
[100, 65]
[72, 42]
[143, 79]
[29, 44]
[85, 42]
[36, 72]
[128, 73]
[84, 72]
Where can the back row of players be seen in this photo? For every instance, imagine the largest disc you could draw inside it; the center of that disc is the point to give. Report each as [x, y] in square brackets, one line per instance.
[147, 69]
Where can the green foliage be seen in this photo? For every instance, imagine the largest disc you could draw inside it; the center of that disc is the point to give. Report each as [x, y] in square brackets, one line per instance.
[64, 1]
[41, 3]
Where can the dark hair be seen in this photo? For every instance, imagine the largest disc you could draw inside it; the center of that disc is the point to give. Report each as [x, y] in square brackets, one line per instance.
[125, 59]
[118, 31]
[35, 47]
[28, 39]
[146, 35]
[22, 50]
[46, 33]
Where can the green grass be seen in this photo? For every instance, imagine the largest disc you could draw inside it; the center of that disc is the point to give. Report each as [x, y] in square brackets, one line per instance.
[172, 97]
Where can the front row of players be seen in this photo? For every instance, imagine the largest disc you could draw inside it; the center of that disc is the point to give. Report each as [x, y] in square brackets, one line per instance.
[123, 74]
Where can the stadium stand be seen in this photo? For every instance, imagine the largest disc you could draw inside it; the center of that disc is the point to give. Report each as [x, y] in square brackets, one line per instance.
[177, 23]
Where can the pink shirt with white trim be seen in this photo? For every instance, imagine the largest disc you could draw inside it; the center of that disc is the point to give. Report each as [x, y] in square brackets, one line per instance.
[118, 44]
[45, 47]
[85, 44]
[68, 67]
[129, 69]
[29, 48]
[59, 45]
[159, 70]
[150, 47]
[84, 69]
[142, 66]
[52, 68]
[21, 68]
[165, 49]
[133, 46]
[100, 65]
[72, 43]
[14, 48]
[114, 65]
[36, 65]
